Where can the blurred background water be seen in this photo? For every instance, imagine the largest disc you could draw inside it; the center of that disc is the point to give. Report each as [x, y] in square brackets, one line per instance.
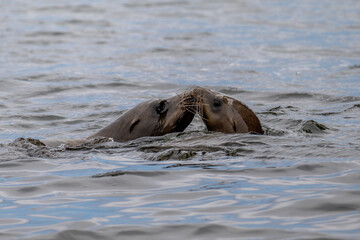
[68, 68]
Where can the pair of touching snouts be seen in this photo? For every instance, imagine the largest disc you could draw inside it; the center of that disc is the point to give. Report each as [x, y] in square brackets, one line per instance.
[219, 112]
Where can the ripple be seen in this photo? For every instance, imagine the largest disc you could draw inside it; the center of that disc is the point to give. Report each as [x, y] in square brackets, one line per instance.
[119, 173]
[190, 231]
[76, 8]
[12, 221]
[356, 66]
[332, 204]
[314, 127]
[87, 22]
[69, 67]
[43, 117]
[281, 97]
[49, 34]
[136, 4]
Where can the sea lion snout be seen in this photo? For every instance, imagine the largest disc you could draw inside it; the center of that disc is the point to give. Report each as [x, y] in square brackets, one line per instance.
[180, 111]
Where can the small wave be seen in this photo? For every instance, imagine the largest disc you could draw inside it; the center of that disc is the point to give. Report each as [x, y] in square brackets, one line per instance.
[26, 142]
[155, 4]
[280, 97]
[200, 231]
[354, 107]
[51, 148]
[198, 145]
[312, 126]
[280, 110]
[80, 8]
[41, 42]
[342, 201]
[189, 51]
[82, 22]
[274, 132]
[49, 34]
[293, 125]
[40, 117]
[232, 91]
[306, 169]
[30, 147]
[135, 173]
[356, 66]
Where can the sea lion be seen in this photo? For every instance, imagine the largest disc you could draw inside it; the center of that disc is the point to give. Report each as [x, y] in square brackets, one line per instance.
[152, 118]
[222, 113]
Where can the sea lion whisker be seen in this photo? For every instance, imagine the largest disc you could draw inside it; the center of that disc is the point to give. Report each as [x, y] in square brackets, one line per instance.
[184, 98]
[181, 96]
[200, 110]
[191, 111]
[191, 105]
[196, 113]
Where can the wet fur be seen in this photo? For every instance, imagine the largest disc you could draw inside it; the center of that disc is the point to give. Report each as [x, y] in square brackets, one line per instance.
[232, 117]
[152, 118]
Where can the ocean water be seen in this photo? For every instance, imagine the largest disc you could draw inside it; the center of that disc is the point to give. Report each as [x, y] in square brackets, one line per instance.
[69, 68]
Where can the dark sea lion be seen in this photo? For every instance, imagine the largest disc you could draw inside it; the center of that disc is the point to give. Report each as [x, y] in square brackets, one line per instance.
[152, 118]
[222, 113]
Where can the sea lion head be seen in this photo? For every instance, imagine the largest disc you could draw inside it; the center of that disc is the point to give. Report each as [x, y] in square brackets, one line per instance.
[222, 113]
[172, 114]
[152, 118]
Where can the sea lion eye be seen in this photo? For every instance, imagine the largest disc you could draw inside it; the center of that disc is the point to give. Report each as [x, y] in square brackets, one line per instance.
[161, 107]
[217, 102]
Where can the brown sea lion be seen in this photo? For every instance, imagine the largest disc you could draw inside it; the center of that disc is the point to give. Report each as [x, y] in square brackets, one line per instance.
[222, 113]
[152, 118]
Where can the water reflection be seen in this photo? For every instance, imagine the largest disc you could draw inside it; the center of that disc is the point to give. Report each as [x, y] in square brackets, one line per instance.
[70, 68]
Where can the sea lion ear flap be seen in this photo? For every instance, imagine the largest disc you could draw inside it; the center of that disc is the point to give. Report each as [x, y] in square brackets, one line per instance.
[248, 116]
[133, 124]
[239, 125]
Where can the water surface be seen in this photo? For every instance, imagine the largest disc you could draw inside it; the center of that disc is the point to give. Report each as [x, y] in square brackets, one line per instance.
[68, 68]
